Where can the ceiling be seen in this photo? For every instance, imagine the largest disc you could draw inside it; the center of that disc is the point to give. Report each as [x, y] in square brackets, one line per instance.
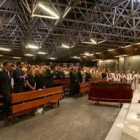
[115, 22]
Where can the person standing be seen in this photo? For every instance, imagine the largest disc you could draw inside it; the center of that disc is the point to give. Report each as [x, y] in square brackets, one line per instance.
[49, 77]
[19, 78]
[74, 82]
[6, 88]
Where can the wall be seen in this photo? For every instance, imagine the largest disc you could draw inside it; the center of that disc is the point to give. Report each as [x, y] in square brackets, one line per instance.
[123, 63]
[132, 63]
[110, 63]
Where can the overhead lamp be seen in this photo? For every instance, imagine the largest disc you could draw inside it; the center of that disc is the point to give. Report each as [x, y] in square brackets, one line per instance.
[5, 49]
[75, 57]
[101, 41]
[52, 13]
[127, 46]
[65, 46]
[88, 43]
[29, 55]
[42, 16]
[1, 55]
[42, 53]
[17, 57]
[52, 58]
[121, 55]
[97, 52]
[88, 54]
[110, 50]
[93, 41]
[138, 43]
[30, 46]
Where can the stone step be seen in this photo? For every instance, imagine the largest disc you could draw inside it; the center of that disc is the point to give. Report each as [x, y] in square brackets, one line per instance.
[115, 132]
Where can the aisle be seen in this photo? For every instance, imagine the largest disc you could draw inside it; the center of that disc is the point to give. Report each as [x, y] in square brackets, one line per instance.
[75, 119]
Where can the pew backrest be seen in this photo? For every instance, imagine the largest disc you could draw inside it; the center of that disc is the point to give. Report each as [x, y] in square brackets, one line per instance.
[84, 87]
[34, 99]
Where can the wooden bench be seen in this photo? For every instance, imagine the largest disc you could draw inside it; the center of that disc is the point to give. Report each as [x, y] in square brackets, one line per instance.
[63, 82]
[84, 87]
[27, 101]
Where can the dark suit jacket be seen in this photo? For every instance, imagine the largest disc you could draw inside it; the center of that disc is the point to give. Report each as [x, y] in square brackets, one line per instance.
[18, 80]
[5, 83]
[49, 79]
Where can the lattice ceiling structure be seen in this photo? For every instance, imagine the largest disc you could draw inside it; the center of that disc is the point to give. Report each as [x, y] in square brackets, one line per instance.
[111, 23]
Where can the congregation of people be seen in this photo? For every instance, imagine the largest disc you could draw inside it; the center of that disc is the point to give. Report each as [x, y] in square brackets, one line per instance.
[22, 77]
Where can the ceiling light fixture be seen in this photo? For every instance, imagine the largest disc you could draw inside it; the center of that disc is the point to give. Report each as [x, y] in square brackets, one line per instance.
[29, 55]
[41, 53]
[97, 52]
[42, 16]
[65, 46]
[127, 46]
[88, 43]
[75, 57]
[101, 41]
[109, 50]
[121, 55]
[30, 46]
[93, 41]
[138, 43]
[52, 13]
[17, 57]
[5, 49]
[52, 58]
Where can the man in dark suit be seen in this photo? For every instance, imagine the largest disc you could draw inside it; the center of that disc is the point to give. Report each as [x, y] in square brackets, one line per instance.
[5, 87]
[19, 78]
[74, 82]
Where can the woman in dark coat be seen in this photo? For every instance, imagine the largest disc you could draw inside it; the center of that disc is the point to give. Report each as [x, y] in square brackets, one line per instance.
[30, 80]
[39, 78]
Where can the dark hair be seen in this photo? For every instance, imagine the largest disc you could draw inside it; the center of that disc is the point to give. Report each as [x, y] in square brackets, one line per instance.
[5, 63]
[19, 63]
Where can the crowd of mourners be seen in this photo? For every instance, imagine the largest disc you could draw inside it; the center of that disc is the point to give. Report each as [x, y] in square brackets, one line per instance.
[20, 77]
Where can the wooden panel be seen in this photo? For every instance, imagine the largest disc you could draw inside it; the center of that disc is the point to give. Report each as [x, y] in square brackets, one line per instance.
[86, 89]
[86, 84]
[19, 97]
[27, 105]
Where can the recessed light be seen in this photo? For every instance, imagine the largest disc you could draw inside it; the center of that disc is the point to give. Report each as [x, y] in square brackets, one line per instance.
[5, 49]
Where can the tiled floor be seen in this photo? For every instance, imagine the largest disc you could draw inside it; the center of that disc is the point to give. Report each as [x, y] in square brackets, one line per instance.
[75, 119]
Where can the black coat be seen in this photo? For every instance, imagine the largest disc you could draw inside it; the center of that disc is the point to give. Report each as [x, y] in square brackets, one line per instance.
[39, 79]
[74, 83]
[80, 76]
[5, 90]
[87, 77]
[19, 84]
[49, 79]
[5, 83]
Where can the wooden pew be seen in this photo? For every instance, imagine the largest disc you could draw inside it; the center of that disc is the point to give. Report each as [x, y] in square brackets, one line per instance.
[84, 87]
[27, 101]
[63, 82]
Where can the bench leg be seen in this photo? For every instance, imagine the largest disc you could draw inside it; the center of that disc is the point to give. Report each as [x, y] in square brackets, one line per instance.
[58, 103]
